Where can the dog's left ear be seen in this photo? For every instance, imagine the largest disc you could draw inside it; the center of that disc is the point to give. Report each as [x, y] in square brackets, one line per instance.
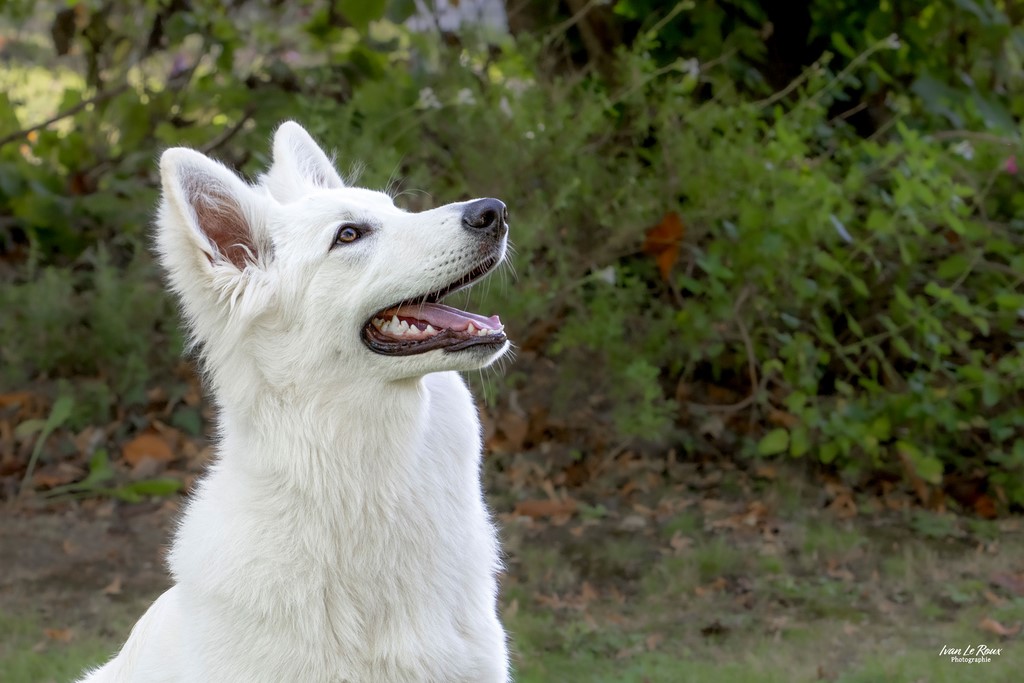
[299, 165]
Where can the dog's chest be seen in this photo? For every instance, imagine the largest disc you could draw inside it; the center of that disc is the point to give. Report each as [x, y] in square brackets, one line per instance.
[385, 573]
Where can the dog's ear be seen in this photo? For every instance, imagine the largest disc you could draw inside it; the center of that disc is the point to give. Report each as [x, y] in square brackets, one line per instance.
[208, 213]
[299, 165]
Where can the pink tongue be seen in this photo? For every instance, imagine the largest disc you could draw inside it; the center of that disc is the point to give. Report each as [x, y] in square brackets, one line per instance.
[441, 316]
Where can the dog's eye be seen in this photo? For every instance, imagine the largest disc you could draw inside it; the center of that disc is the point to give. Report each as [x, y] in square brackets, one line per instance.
[347, 234]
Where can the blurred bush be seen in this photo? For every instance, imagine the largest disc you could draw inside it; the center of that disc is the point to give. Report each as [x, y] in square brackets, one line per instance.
[807, 248]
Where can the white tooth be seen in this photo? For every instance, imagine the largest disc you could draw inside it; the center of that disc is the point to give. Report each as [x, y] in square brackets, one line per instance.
[397, 331]
[471, 329]
[482, 333]
[377, 322]
[430, 330]
[491, 333]
[405, 326]
[394, 321]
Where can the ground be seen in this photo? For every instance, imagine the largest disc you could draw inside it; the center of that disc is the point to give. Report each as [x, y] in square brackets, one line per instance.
[696, 573]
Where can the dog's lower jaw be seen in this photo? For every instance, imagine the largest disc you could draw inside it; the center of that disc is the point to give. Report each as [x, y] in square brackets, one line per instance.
[298, 559]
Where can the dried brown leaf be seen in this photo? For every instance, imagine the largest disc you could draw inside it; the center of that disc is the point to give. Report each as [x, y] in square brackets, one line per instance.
[61, 635]
[662, 242]
[990, 625]
[545, 507]
[1014, 583]
[114, 587]
[147, 445]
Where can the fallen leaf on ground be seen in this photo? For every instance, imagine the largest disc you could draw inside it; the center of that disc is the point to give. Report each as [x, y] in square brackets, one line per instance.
[985, 507]
[1014, 583]
[545, 507]
[21, 398]
[114, 587]
[61, 635]
[837, 571]
[147, 468]
[56, 475]
[147, 445]
[990, 625]
[994, 599]
[679, 543]
[633, 523]
[510, 433]
[844, 506]
[753, 515]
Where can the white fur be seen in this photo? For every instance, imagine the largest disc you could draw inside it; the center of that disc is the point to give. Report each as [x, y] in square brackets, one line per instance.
[342, 534]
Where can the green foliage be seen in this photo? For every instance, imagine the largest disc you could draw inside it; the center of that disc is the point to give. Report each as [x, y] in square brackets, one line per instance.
[97, 483]
[59, 414]
[94, 319]
[866, 285]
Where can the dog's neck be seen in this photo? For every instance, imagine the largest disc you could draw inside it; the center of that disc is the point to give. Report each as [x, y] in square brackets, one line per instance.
[316, 437]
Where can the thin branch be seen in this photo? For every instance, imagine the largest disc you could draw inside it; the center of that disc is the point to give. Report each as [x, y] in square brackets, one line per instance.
[70, 111]
[229, 133]
[793, 85]
[680, 6]
[564, 26]
[757, 386]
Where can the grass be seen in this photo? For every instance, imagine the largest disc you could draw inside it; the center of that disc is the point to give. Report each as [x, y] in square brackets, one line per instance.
[839, 601]
[718, 610]
[825, 652]
[28, 654]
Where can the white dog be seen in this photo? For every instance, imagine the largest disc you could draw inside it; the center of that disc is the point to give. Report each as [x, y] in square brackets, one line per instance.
[342, 534]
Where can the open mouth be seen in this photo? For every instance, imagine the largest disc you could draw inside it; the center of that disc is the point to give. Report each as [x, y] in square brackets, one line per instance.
[423, 323]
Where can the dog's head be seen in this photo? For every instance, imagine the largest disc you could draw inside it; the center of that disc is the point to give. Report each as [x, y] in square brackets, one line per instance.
[301, 279]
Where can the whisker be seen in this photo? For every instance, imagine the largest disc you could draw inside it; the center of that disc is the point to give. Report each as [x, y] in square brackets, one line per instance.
[394, 180]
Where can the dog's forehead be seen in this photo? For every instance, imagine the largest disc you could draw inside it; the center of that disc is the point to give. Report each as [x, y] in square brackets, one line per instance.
[363, 197]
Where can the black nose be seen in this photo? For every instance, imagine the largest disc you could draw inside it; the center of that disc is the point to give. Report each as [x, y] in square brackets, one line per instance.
[486, 215]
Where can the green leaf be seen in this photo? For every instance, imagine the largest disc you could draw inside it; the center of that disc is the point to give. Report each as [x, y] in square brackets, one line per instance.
[188, 420]
[925, 465]
[59, 414]
[843, 47]
[901, 345]
[162, 486]
[799, 442]
[774, 442]
[827, 262]
[991, 391]
[859, 286]
[29, 427]
[952, 267]
[362, 12]
[400, 10]
[881, 428]
[1010, 300]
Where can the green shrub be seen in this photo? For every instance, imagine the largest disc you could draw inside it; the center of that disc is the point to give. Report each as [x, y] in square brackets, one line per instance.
[91, 320]
[859, 296]
[870, 285]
